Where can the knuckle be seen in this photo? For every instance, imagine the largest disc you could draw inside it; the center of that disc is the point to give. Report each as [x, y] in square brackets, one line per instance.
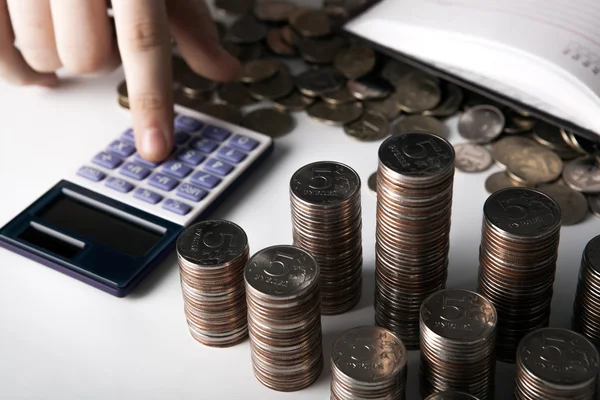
[146, 35]
[147, 102]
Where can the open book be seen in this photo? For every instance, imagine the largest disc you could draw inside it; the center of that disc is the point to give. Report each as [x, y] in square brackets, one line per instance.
[542, 56]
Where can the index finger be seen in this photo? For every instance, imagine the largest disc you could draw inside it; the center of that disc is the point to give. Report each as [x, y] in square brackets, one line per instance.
[145, 46]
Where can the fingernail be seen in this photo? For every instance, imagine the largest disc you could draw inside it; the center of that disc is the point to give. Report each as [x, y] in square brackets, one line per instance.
[153, 144]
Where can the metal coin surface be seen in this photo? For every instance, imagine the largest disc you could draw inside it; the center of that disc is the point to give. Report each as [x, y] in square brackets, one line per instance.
[339, 181]
[503, 149]
[472, 157]
[534, 164]
[235, 94]
[210, 243]
[220, 111]
[370, 88]
[451, 396]
[573, 205]
[422, 123]
[247, 30]
[234, 7]
[549, 136]
[335, 114]
[355, 61]
[194, 85]
[123, 96]
[341, 96]
[389, 107]
[258, 70]
[371, 126]
[500, 180]
[481, 124]
[277, 44]
[586, 317]
[290, 36]
[320, 50]
[316, 82]
[583, 175]
[452, 98]
[578, 143]
[270, 121]
[278, 87]
[273, 10]
[594, 204]
[311, 22]
[395, 71]
[296, 101]
[417, 92]
[372, 183]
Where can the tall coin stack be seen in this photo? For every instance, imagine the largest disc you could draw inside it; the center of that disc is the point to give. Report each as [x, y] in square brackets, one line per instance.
[414, 200]
[284, 318]
[368, 362]
[326, 218]
[556, 364]
[586, 309]
[451, 396]
[458, 338]
[212, 256]
[517, 256]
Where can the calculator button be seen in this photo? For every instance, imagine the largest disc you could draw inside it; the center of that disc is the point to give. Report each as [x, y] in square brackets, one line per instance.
[191, 156]
[92, 174]
[176, 206]
[162, 182]
[176, 169]
[121, 148]
[181, 137]
[147, 196]
[191, 192]
[138, 159]
[243, 142]
[107, 160]
[205, 180]
[216, 133]
[230, 154]
[119, 184]
[218, 167]
[128, 136]
[135, 171]
[188, 124]
[204, 145]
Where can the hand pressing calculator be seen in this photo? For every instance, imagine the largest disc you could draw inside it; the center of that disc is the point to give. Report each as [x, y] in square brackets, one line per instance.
[118, 216]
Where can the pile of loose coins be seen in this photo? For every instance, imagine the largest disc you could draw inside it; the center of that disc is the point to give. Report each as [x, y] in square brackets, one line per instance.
[327, 223]
[586, 308]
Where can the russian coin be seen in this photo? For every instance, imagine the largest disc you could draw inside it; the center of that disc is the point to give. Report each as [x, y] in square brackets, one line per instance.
[450, 104]
[573, 205]
[504, 148]
[258, 70]
[290, 36]
[246, 52]
[389, 107]
[355, 61]
[370, 127]
[123, 96]
[500, 180]
[520, 123]
[472, 157]
[372, 183]
[578, 143]
[234, 7]
[321, 50]
[318, 81]
[295, 101]
[278, 45]
[594, 204]
[416, 93]
[519, 179]
[182, 99]
[549, 136]
[247, 30]
[220, 111]
[422, 123]
[583, 175]
[340, 96]
[194, 85]
[395, 71]
[535, 164]
[336, 115]
[269, 121]
[311, 22]
[273, 10]
[370, 88]
[481, 124]
[275, 88]
[235, 94]
[586, 318]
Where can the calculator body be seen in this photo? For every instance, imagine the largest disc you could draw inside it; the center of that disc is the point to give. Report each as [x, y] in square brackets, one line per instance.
[117, 217]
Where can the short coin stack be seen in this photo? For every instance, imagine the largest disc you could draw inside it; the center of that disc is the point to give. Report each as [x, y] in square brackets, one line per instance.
[556, 364]
[458, 338]
[518, 252]
[414, 198]
[327, 223]
[368, 362]
[284, 319]
[586, 309]
[451, 396]
[212, 256]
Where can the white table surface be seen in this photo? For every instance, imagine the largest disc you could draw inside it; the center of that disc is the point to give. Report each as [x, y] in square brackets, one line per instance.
[62, 339]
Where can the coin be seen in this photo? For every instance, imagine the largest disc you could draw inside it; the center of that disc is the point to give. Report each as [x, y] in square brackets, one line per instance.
[277, 44]
[220, 111]
[417, 92]
[355, 61]
[278, 87]
[421, 123]
[573, 205]
[452, 98]
[235, 94]
[340, 96]
[583, 175]
[234, 7]
[311, 22]
[394, 71]
[549, 136]
[370, 88]
[450, 396]
[318, 81]
[481, 124]
[320, 50]
[534, 164]
[372, 183]
[295, 101]
[578, 143]
[371, 126]
[472, 157]
[269, 121]
[258, 70]
[194, 85]
[273, 10]
[586, 318]
[500, 180]
[594, 204]
[389, 107]
[123, 96]
[520, 122]
[335, 114]
[247, 30]
[290, 36]
[503, 149]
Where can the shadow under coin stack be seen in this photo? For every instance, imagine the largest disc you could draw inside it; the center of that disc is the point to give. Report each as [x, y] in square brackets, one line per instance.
[212, 256]
[414, 200]
[518, 252]
[586, 308]
[326, 218]
[368, 362]
[284, 318]
[556, 364]
[451, 396]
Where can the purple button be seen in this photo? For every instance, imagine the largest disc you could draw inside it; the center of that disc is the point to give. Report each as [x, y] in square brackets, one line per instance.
[204, 145]
[107, 160]
[191, 156]
[135, 171]
[206, 180]
[128, 136]
[188, 124]
[243, 142]
[191, 192]
[147, 196]
[176, 206]
[230, 154]
[181, 137]
[138, 159]
[216, 133]
[176, 169]
[119, 184]
[91, 173]
[162, 182]
[121, 148]
[218, 167]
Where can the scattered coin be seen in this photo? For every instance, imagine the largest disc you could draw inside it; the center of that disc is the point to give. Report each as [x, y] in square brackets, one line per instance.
[422, 123]
[394, 71]
[370, 127]
[503, 149]
[573, 205]
[123, 95]
[481, 124]
[534, 164]
[277, 44]
[450, 104]
[521, 123]
[583, 175]
[319, 81]
[472, 157]
[295, 101]
[234, 7]
[372, 183]
[370, 87]
[320, 50]
[340, 96]
[290, 36]
[235, 94]
[594, 204]
[355, 61]
[417, 92]
[194, 85]
[247, 30]
[270, 121]
[499, 181]
[549, 136]
[336, 115]
[221, 111]
[278, 87]
[274, 11]
[258, 70]
[251, 51]
[311, 22]
[578, 143]
[389, 107]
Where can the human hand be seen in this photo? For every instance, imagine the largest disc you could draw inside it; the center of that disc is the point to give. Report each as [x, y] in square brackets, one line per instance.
[78, 35]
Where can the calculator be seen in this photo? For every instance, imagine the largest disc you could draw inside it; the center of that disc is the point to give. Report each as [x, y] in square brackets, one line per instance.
[118, 216]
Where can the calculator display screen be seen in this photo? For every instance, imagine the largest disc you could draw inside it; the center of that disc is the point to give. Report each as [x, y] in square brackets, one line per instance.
[100, 226]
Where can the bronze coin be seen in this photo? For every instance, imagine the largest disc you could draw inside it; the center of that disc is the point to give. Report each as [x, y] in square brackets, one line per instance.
[274, 10]
[355, 61]
[311, 22]
[336, 115]
[247, 30]
[220, 111]
[269, 121]
[295, 101]
[278, 45]
[258, 70]
[234, 94]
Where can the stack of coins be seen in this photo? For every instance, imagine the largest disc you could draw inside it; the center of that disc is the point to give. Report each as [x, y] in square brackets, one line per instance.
[586, 308]
[518, 252]
[451, 396]
[458, 338]
[212, 256]
[326, 217]
[414, 199]
[368, 362]
[556, 364]
[284, 318]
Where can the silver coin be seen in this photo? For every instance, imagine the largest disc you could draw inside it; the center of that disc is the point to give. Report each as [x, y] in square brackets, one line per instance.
[500, 180]
[322, 50]
[417, 92]
[423, 123]
[316, 82]
[450, 104]
[394, 71]
[210, 243]
[549, 136]
[341, 96]
[355, 61]
[481, 124]
[505, 147]
[370, 88]
[583, 175]
[296, 101]
[325, 182]
[278, 87]
[335, 114]
[235, 94]
[389, 107]
[472, 157]
[594, 204]
[269, 121]
[371, 126]
[258, 70]
[573, 205]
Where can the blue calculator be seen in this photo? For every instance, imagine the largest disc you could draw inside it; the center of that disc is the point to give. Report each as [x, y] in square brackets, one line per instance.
[118, 216]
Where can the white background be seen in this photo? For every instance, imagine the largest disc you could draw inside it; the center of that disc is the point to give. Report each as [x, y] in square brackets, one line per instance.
[62, 339]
